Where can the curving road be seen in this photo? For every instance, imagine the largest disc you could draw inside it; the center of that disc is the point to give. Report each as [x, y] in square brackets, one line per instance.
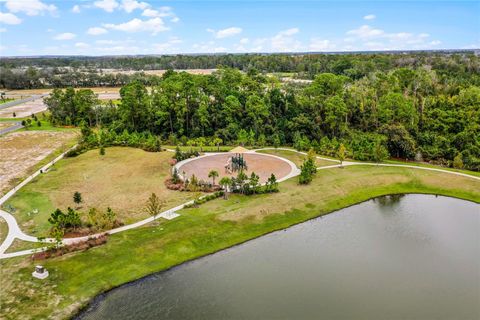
[14, 230]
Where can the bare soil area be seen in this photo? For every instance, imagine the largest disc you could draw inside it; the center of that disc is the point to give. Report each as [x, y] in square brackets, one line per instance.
[22, 150]
[24, 109]
[262, 165]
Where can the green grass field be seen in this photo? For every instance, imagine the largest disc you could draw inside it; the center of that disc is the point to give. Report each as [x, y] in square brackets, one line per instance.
[3, 230]
[75, 278]
[296, 157]
[123, 179]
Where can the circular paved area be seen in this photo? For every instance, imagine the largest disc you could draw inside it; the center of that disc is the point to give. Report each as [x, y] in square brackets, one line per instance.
[263, 165]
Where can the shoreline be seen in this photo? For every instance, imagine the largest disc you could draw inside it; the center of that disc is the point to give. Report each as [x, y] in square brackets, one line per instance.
[94, 301]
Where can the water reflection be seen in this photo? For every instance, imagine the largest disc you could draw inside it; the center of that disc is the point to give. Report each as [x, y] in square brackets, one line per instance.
[422, 262]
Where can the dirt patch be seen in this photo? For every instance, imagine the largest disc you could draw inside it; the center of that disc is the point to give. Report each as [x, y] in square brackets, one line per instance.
[7, 124]
[262, 165]
[22, 150]
[24, 109]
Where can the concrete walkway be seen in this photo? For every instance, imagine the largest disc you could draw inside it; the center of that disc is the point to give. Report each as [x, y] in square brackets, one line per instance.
[17, 126]
[20, 101]
[15, 232]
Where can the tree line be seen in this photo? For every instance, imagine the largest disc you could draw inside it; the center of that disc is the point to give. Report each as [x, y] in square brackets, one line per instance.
[413, 113]
[60, 72]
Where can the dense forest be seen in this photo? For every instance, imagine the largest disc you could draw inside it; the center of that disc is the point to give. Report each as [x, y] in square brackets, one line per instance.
[410, 112]
[61, 72]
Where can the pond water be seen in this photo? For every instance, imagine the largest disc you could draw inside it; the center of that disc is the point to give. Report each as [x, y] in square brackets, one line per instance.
[396, 257]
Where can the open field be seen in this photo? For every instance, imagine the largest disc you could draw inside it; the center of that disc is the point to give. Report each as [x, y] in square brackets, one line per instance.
[2, 101]
[21, 151]
[7, 124]
[122, 179]
[3, 230]
[296, 157]
[24, 109]
[262, 165]
[77, 277]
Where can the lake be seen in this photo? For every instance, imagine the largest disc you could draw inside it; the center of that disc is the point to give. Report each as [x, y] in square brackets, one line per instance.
[394, 257]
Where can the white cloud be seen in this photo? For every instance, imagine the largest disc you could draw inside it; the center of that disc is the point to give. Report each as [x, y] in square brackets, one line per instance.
[82, 45]
[130, 5]
[167, 47]
[321, 45]
[366, 37]
[30, 7]
[9, 18]
[162, 12]
[107, 5]
[154, 25]
[3, 29]
[96, 31]
[284, 42]
[65, 36]
[244, 41]
[76, 9]
[369, 17]
[225, 33]
[365, 32]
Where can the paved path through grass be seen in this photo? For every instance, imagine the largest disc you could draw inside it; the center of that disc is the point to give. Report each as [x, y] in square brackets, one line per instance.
[15, 232]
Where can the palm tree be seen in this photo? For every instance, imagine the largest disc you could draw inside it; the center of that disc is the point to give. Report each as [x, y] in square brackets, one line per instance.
[225, 182]
[213, 174]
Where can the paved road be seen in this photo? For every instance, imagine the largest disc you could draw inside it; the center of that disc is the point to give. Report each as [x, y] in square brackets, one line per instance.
[17, 126]
[20, 101]
[15, 232]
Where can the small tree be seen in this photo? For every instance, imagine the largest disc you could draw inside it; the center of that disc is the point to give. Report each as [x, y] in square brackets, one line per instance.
[14, 115]
[213, 174]
[217, 141]
[262, 140]
[102, 151]
[276, 141]
[225, 182]
[254, 182]
[341, 154]
[57, 234]
[39, 124]
[175, 176]
[380, 153]
[77, 198]
[458, 162]
[154, 205]
[272, 184]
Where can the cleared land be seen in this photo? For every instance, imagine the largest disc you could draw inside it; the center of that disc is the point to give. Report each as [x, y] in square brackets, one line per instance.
[7, 124]
[297, 158]
[23, 150]
[262, 165]
[122, 179]
[24, 109]
[77, 277]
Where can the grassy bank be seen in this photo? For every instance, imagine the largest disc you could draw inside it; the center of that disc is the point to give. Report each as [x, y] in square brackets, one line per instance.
[76, 278]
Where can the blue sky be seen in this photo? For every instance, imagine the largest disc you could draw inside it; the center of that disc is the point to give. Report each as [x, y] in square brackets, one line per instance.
[106, 27]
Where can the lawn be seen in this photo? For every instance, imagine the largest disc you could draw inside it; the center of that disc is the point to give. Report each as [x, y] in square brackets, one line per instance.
[77, 277]
[297, 157]
[2, 101]
[3, 230]
[123, 179]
